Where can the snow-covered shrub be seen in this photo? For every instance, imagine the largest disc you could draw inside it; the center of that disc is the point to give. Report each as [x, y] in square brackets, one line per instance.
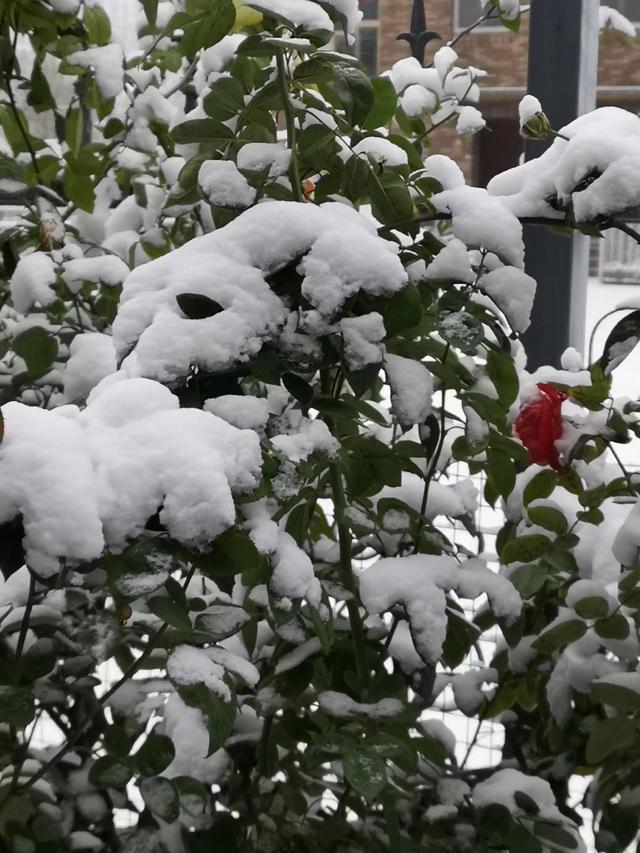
[239, 363]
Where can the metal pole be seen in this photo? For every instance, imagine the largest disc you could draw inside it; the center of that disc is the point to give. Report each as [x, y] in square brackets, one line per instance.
[563, 72]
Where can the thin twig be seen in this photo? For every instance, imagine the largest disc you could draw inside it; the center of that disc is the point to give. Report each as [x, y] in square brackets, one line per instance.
[290, 119]
[24, 627]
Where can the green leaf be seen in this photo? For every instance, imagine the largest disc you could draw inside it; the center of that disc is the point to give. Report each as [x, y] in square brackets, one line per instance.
[38, 348]
[202, 130]
[155, 755]
[225, 99]
[231, 553]
[209, 29]
[97, 25]
[73, 127]
[608, 737]
[559, 635]
[592, 607]
[529, 580]
[621, 341]
[502, 373]
[390, 199]
[549, 518]
[16, 705]
[501, 472]
[540, 486]
[617, 695]
[194, 796]
[298, 387]
[116, 741]
[525, 549]
[366, 772]
[161, 798]
[221, 621]
[197, 306]
[461, 329]
[317, 145]
[150, 11]
[403, 310]
[109, 771]
[613, 627]
[385, 101]
[171, 612]
[220, 715]
[526, 803]
[39, 96]
[79, 190]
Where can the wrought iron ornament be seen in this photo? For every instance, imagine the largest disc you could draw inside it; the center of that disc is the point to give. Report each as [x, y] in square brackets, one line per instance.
[418, 36]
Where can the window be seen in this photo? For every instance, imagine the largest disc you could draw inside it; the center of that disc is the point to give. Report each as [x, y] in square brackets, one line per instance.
[467, 12]
[629, 8]
[366, 44]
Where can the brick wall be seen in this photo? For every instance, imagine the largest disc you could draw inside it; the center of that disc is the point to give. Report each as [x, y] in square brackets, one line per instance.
[504, 56]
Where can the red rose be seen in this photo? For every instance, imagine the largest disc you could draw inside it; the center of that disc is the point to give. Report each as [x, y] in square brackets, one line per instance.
[539, 425]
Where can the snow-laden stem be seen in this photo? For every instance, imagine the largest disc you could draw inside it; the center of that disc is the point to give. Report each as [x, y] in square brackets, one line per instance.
[290, 120]
[24, 626]
[14, 108]
[346, 574]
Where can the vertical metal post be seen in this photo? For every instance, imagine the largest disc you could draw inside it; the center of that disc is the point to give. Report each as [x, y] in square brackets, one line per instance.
[563, 72]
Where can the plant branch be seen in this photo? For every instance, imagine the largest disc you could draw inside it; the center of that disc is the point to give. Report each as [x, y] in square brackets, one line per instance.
[14, 107]
[24, 627]
[346, 572]
[290, 119]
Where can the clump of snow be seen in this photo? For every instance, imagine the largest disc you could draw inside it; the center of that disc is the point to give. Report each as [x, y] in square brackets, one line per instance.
[224, 185]
[454, 501]
[309, 436]
[470, 120]
[187, 729]
[501, 788]
[362, 337]
[91, 358]
[467, 688]
[441, 91]
[583, 588]
[105, 269]
[345, 708]
[293, 575]
[528, 108]
[483, 222]
[420, 582]
[598, 180]
[32, 282]
[81, 480]
[451, 262]
[242, 411]
[270, 157]
[627, 541]
[439, 731]
[411, 389]
[444, 170]
[572, 360]
[613, 19]
[302, 14]
[513, 291]
[380, 150]
[340, 253]
[107, 63]
[188, 665]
